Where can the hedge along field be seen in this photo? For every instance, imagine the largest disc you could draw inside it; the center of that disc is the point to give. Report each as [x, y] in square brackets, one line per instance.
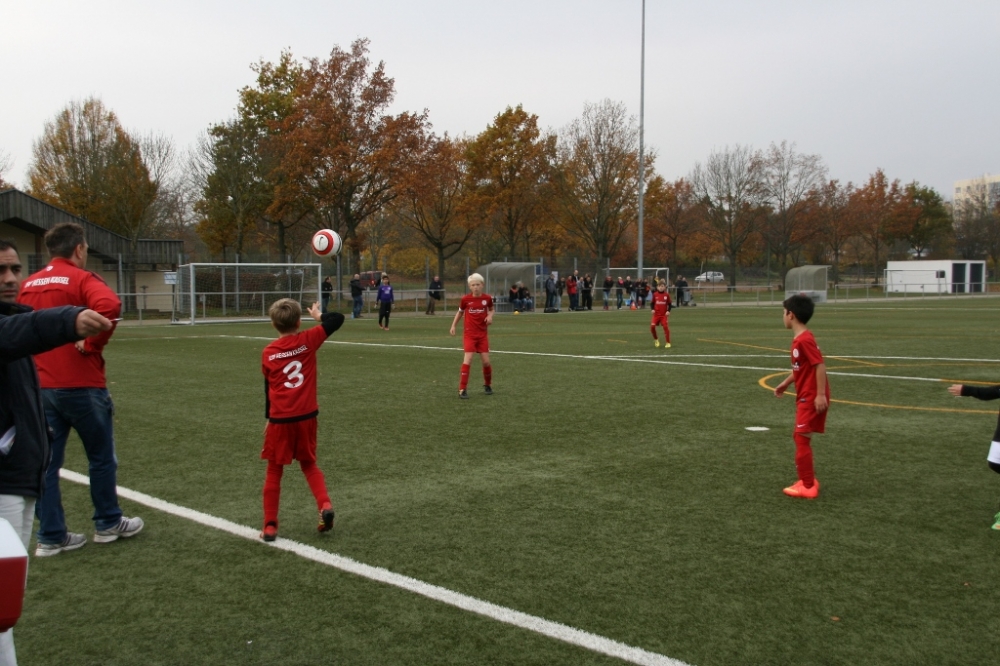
[608, 485]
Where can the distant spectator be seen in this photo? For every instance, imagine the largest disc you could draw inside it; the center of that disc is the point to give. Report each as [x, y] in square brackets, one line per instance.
[606, 288]
[527, 302]
[513, 297]
[357, 295]
[643, 292]
[327, 292]
[551, 291]
[559, 295]
[683, 292]
[588, 293]
[629, 287]
[573, 289]
[620, 292]
[435, 291]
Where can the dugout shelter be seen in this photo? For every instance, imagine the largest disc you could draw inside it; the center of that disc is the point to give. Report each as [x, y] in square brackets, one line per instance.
[808, 281]
[498, 276]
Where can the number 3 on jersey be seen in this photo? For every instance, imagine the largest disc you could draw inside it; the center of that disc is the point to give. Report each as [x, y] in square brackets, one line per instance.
[295, 378]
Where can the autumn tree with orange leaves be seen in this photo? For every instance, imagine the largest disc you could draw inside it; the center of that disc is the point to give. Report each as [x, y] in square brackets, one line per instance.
[673, 217]
[343, 156]
[873, 206]
[434, 198]
[510, 167]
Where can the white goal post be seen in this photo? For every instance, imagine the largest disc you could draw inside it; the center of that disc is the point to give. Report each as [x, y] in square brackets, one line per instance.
[219, 293]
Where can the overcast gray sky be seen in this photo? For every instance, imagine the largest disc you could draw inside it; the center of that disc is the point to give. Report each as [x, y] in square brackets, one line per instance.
[908, 86]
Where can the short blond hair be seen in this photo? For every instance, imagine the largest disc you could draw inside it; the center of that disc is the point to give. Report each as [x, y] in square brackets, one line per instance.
[476, 277]
[285, 314]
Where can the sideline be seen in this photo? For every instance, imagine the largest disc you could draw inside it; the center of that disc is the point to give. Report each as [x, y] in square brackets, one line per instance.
[539, 625]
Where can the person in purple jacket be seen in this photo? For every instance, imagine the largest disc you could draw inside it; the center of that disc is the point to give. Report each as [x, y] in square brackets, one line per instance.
[385, 300]
[984, 393]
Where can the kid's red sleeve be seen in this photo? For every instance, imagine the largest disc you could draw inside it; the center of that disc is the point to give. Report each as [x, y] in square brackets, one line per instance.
[813, 356]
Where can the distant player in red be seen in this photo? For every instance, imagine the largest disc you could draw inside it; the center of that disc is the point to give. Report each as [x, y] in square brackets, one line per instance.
[289, 366]
[477, 308]
[812, 393]
[661, 314]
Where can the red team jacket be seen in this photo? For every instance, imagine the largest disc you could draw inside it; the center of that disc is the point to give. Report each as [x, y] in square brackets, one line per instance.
[62, 283]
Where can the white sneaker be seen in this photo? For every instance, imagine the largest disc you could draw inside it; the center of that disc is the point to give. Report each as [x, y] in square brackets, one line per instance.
[71, 542]
[125, 528]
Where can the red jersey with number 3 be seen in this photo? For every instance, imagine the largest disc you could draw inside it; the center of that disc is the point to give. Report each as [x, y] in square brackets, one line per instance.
[476, 309]
[805, 357]
[289, 366]
[661, 303]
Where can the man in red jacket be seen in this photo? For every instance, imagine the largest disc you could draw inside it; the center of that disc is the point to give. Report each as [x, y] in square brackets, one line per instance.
[75, 393]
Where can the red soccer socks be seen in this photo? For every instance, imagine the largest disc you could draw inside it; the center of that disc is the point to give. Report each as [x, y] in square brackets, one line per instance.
[487, 375]
[463, 383]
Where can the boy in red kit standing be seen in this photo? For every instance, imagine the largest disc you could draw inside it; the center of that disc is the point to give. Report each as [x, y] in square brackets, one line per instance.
[477, 308]
[289, 366]
[661, 314]
[812, 393]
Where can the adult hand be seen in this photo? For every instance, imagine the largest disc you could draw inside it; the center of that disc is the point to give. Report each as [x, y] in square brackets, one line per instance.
[955, 390]
[90, 323]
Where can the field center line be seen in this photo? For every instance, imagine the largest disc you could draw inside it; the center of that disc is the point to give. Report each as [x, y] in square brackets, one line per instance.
[539, 625]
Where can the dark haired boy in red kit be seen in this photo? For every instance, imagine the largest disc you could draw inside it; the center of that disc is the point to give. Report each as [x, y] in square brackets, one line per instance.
[812, 393]
[661, 314]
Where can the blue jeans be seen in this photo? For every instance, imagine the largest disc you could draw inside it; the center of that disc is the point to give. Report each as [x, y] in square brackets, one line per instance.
[574, 301]
[89, 411]
[326, 302]
[358, 303]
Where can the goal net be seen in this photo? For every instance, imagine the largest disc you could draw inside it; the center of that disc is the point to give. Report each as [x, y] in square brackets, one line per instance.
[216, 293]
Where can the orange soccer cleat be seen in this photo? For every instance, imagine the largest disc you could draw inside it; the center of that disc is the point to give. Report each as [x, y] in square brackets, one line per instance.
[798, 489]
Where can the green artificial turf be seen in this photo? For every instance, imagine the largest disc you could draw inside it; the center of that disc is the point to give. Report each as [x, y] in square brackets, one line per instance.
[618, 496]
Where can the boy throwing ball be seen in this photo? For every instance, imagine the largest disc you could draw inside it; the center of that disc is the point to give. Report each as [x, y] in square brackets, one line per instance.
[477, 308]
[289, 365]
[661, 314]
[812, 389]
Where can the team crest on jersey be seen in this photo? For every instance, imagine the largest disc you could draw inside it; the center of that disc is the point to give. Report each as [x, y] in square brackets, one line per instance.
[484, 302]
[795, 353]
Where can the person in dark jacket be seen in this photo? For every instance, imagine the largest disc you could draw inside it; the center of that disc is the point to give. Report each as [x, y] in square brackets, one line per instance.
[435, 291]
[587, 289]
[327, 292]
[24, 436]
[609, 284]
[357, 295]
[551, 291]
[984, 393]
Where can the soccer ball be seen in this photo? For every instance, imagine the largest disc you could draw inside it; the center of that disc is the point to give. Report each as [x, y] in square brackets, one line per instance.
[326, 243]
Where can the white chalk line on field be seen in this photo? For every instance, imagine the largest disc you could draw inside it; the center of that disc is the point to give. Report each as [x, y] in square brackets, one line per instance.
[657, 360]
[548, 628]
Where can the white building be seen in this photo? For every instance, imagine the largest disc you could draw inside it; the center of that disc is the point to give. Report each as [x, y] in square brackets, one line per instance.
[985, 185]
[947, 276]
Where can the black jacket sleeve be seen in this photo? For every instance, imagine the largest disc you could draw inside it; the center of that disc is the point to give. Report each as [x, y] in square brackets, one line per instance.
[31, 333]
[331, 322]
[982, 392]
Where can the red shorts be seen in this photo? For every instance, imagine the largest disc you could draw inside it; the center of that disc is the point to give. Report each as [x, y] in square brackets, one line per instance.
[807, 420]
[660, 320]
[285, 442]
[478, 345]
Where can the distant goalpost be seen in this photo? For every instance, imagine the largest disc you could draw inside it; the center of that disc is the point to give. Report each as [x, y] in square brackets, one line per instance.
[220, 293]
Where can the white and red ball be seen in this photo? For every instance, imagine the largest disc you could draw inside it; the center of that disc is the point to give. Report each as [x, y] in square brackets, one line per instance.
[327, 243]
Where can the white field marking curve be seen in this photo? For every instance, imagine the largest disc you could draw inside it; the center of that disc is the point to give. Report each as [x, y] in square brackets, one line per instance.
[548, 628]
[642, 359]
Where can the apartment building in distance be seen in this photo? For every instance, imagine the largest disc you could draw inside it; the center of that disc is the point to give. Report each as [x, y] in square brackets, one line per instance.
[984, 185]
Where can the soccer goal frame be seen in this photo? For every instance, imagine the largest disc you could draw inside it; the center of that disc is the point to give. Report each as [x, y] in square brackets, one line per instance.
[227, 293]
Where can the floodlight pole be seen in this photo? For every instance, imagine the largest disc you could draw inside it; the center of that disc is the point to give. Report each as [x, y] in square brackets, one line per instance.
[642, 106]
